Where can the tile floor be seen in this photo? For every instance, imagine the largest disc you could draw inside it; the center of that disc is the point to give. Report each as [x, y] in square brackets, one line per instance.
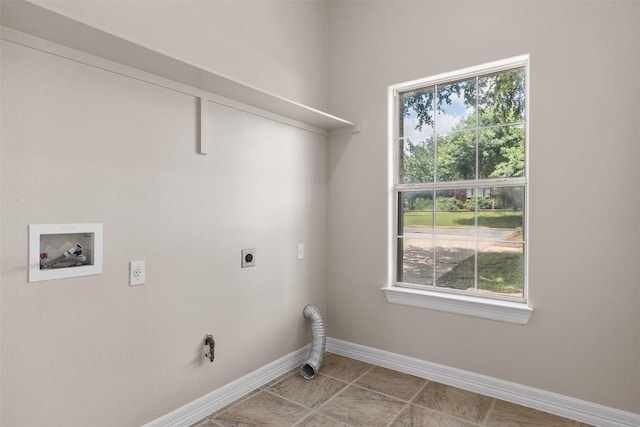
[347, 392]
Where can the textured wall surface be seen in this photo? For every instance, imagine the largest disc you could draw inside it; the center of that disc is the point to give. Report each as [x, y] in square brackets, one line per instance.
[277, 46]
[584, 337]
[81, 145]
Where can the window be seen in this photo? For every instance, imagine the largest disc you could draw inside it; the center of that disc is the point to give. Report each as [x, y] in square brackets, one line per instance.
[460, 184]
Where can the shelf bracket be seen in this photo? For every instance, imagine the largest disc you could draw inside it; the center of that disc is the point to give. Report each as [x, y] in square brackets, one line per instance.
[203, 132]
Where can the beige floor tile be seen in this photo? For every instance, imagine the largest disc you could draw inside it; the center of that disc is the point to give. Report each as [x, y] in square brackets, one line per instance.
[417, 416]
[378, 397]
[454, 401]
[317, 420]
[207, 422]
[263, 409]
[397, 384]
[343, 368]
[361, 407]
[239, 400]
[505, 414]
[309, 393]
[293, 371]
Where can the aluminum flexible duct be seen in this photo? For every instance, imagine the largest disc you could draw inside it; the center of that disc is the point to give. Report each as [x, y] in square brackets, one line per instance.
[312, 364]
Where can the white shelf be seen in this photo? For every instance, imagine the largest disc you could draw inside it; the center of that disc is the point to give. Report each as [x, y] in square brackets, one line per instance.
[49, 25]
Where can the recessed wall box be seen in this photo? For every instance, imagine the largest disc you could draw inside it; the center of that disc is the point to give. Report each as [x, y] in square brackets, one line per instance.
[58, 251]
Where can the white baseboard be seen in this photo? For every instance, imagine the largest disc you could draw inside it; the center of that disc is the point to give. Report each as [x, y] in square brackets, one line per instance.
[564, 406]
[200, 408]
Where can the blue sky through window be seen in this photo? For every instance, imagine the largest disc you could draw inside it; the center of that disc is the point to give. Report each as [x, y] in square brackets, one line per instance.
[447, 118]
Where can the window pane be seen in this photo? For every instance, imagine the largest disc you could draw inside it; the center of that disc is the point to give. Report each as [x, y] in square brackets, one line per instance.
[416, 115]
[501, 97]
[417, 208]
[501, 269]
[416, 112]
[453, 215]
[417, 149]
[454, 238]
[416, 244]
[417, 258]
[455, 260]
[500, 213]
[456, 106]
[417, 161]
[457, 156]
[501, 152]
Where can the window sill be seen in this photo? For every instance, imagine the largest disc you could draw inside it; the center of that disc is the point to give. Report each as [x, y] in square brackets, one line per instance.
[504, 311]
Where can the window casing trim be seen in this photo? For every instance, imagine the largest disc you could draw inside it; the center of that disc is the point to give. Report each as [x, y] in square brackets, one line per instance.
[512, 311]
[462, 74]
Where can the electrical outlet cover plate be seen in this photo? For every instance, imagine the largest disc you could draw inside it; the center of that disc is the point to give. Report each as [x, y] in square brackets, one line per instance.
[136, 273]
[248, 258]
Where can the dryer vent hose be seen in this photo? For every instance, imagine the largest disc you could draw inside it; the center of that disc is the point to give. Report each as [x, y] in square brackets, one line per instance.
[313, 361]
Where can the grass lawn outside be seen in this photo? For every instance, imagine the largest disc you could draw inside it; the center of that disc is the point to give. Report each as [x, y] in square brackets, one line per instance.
[498, 272]
[491, 219]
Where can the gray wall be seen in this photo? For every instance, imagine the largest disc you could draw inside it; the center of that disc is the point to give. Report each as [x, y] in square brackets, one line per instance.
[84, 145]
[277, 46]
[584, 337]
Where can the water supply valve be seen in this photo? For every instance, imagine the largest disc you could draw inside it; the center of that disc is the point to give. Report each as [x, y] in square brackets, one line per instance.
[208, 340]
[71, 255]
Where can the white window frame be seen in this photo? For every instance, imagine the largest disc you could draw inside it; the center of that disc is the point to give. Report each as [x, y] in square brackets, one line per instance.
[518, 312]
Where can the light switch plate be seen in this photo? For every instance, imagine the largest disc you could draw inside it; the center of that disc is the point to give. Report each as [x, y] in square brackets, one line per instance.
[136, 273]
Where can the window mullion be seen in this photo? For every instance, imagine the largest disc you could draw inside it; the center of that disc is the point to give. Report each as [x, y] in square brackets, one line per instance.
[433, 237]
[399, 237]
[435, 133]
[475, 229]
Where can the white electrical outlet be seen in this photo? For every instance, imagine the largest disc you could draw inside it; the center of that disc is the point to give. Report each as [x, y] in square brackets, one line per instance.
[248, 258]
[300, 250]
[136, 273]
